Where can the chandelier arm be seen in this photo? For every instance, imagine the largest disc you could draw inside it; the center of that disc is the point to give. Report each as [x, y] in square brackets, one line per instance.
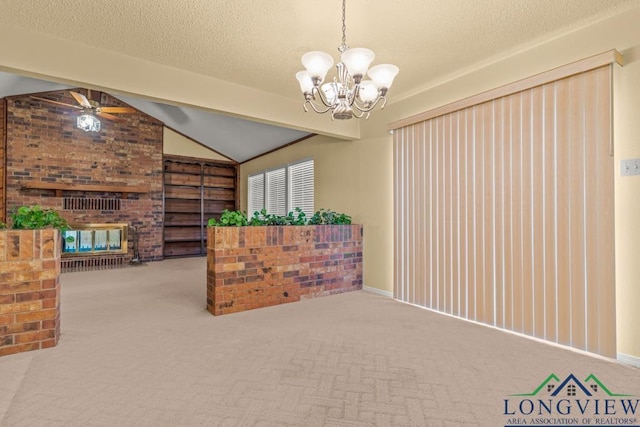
[322, 96]
[362, 113]
[314, 108]
[373, 105]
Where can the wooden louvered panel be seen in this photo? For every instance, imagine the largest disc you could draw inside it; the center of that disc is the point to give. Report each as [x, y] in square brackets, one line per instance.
[194, 191]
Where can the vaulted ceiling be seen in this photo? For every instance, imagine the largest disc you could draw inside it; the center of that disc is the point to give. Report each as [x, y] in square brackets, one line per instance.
[258, 44]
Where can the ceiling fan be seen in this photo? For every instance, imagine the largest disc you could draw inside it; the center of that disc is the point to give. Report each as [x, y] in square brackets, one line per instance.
[91, 107]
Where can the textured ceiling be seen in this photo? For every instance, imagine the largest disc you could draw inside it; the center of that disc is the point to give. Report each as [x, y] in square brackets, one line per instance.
[258, 43]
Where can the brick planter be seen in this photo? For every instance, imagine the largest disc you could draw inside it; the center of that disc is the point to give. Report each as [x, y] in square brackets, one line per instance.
[254, 267]
[29, 290]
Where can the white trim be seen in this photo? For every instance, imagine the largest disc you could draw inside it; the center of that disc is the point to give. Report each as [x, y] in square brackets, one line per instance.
[628, 359]
[387, 294]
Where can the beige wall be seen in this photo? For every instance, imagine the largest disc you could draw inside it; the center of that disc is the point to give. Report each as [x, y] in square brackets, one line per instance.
[626, 128]
[622, 33]
[354, 177]
[179, 145]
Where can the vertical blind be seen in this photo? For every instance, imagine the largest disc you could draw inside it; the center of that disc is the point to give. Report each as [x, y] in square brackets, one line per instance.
[504, 213]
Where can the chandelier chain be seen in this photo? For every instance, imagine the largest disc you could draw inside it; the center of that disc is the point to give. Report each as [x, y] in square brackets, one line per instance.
[344, 25]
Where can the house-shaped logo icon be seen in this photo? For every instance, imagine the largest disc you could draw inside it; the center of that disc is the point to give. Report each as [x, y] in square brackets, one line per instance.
[571, 387]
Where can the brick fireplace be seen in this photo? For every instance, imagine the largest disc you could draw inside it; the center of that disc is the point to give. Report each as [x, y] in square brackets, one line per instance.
[112, 176]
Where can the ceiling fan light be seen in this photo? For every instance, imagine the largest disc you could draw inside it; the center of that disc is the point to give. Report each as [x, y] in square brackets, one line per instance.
[357, 61]
[88, 123]
[383, 75]
[317, 64]
[306, 84]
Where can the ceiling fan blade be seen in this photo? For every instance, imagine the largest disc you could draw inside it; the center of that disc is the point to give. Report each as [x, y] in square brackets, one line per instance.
[116, 110]
[82, 100]
[51, 101]
[109, 116]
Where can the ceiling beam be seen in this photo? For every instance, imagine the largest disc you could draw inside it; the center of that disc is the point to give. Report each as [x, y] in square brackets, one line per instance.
[64, 61]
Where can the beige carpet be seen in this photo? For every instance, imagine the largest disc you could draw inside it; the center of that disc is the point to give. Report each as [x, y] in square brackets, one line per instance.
[139, 349]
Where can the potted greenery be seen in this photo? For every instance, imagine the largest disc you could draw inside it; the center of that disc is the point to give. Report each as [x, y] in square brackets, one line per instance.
[29, 286]
[36, 217]
[267, 259]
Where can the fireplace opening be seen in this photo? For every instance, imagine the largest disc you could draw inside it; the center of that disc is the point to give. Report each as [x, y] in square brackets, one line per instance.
[94, 240]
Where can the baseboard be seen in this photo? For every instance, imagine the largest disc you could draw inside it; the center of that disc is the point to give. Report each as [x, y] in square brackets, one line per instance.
[387, 294]
[629, 360]
[520, 334]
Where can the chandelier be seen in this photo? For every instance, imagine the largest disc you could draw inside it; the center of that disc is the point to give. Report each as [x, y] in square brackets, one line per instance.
[88, 122]
[349, 94]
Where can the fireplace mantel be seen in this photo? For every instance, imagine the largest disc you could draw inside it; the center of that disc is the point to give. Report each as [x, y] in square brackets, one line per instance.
[60, 187]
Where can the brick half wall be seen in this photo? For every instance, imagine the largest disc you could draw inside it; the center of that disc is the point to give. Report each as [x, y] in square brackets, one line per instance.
[29, 290]
[254, 267]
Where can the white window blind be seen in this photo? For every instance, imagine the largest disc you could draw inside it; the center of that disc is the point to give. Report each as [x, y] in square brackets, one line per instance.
[276, 192]
[256, 193]
[283, 189]
[301, 187]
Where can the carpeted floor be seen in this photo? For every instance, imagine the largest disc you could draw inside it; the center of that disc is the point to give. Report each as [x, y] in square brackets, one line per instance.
[139, 349]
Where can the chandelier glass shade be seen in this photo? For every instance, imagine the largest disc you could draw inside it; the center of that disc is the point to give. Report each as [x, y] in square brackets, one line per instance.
[350, 94]
[88, 122]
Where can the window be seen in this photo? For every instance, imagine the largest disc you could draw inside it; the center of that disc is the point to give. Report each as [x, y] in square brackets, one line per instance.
[282, 189]
[256, 193]
[301, 187]
[276, 191]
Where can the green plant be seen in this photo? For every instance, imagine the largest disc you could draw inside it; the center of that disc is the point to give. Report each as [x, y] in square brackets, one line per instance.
[300, 218]
[329, 217]
[295, 217]
[263, 218]
[36, 217]
[2, 225]
[229, 218]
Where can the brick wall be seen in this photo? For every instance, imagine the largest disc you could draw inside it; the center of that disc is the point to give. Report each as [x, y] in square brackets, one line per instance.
[253, 267]
[2, 152]
[44, 145]
[29, 290]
